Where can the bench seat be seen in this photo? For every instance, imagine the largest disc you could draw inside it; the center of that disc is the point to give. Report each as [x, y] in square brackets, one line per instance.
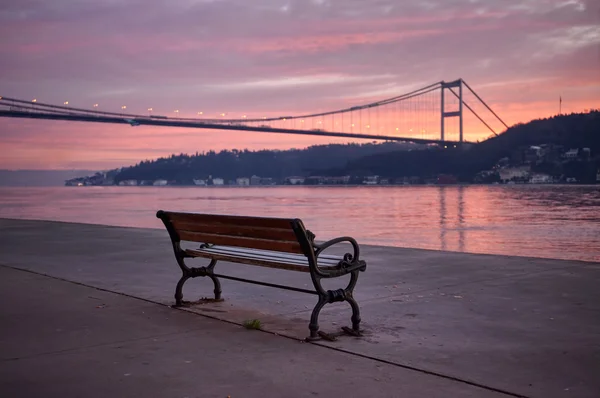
[266, 258]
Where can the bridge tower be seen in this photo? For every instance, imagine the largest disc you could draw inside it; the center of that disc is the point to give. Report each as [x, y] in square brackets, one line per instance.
[454, 113]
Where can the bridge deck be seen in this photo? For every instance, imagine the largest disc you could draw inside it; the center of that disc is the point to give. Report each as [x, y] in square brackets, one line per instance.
[174, 122]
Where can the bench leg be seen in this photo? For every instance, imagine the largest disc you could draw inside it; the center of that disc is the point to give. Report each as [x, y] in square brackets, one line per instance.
[193, 273]
[355, 314]
[332, 296]
[314, 318]
[179, 289]
[216, 282]
[350, 299]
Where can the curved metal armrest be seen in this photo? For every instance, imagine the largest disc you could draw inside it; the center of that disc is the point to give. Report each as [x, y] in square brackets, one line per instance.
[321, 247]
[349, 262]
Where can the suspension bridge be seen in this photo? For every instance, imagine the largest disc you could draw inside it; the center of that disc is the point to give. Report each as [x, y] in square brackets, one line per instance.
[434, 114]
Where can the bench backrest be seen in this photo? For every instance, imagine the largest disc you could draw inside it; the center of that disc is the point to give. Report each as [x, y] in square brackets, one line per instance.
[277, 234]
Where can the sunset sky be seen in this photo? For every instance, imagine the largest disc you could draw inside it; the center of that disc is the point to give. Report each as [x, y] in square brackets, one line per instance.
[274, 57]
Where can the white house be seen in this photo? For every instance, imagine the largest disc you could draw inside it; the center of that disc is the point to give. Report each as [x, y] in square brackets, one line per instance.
[371, 180]
[572, 153]
[296, 180]
[243, 181]
[511, 173]
[540, 179]
[128, 183]
[255, 180]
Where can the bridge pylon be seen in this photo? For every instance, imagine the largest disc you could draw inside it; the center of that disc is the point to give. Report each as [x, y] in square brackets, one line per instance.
[453, 113]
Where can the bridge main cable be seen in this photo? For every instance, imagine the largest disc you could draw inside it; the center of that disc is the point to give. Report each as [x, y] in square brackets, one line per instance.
[387, 101]
[44, 107]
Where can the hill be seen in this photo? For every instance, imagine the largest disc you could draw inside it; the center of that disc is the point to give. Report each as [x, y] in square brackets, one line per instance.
[229, 165]
[540, 145]
[567, 131]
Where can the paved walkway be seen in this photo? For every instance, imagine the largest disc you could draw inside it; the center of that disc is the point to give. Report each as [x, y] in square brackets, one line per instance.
[60, 339]
[529, 327]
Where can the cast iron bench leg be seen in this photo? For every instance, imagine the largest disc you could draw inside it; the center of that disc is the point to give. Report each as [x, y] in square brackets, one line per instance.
[313, 326]
[193, 273]
[350, 299]
[179, 289]
[332, 296]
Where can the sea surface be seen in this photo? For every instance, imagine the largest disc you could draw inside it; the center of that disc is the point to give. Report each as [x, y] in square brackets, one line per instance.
[551, 221]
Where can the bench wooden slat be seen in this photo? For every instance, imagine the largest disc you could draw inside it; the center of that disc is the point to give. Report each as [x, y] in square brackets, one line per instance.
[273, 256]
[329, 260]
[255, 261]
[278, 234]
[212, 219]
[251, 261]
[283, 246]
[323, 257]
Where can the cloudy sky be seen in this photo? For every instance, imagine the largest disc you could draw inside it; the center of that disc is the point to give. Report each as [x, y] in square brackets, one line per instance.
[274, 57]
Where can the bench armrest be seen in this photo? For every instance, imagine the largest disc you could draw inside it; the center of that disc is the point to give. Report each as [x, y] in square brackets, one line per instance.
[350, 261]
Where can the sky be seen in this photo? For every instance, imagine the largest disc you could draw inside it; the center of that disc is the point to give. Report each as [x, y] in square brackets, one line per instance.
[275, 57]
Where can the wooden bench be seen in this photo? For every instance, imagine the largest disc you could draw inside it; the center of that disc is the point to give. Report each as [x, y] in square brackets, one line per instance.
[267, 242]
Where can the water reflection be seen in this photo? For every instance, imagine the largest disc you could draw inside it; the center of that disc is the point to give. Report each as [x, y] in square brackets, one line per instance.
[539, 221]
[442, 199]
[444, 219]
[461, 219]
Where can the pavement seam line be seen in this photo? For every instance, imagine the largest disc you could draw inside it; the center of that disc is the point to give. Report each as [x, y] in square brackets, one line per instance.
[75, 349]
[396, 364]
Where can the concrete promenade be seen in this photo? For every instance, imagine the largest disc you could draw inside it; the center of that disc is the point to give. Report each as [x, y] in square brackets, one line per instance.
[437, 324]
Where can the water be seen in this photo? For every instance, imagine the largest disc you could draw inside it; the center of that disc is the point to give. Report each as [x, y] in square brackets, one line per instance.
[537, 221]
